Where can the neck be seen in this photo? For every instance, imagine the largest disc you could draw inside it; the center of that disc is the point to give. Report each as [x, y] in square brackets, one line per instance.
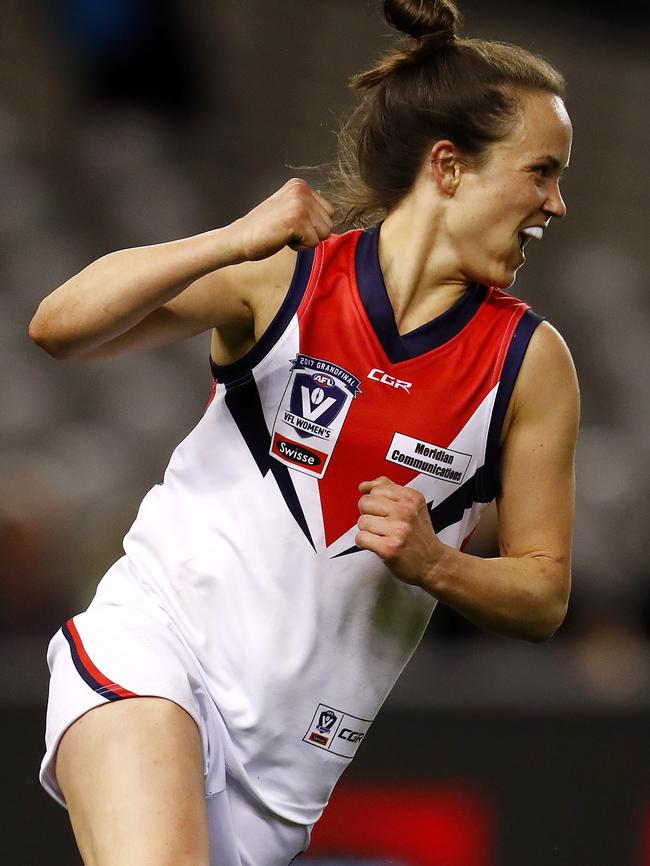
[418, 266]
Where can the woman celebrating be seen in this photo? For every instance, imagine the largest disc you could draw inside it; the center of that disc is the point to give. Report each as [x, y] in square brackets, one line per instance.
[373, 391]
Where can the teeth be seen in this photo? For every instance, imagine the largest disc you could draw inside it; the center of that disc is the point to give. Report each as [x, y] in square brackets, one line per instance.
[536, 232]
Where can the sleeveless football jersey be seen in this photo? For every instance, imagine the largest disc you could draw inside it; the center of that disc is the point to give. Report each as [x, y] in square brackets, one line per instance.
[249, 541]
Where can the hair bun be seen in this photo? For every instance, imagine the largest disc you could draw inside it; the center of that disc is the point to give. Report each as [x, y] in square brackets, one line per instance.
[424, 18]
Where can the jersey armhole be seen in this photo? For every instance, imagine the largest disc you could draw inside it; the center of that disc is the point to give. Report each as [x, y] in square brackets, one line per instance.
[490, 478]
[226, 373]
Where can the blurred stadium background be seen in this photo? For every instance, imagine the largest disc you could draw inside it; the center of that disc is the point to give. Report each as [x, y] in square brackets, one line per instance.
[132, 121]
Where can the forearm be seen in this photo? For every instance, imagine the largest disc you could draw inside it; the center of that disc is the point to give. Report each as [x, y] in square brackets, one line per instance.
[118, 290]
[523, 597]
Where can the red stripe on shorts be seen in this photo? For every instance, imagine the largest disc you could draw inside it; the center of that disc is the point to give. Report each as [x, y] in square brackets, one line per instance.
[92, 669]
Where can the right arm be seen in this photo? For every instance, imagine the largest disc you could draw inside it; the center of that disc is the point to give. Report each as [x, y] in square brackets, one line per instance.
[155, 295]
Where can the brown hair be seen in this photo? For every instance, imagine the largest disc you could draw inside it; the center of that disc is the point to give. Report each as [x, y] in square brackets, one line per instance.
[440, 86]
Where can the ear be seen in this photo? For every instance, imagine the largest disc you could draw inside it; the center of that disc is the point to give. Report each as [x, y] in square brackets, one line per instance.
[445, 166]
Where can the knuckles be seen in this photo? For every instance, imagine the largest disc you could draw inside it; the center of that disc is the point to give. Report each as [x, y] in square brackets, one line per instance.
[297, 183]
[295, 218]
[300, 195]
[406, 508]
[414, 497]
[401, 532]
[413, 504]
[364, 502]
[407, 511]
[365, 541]
[391, 550]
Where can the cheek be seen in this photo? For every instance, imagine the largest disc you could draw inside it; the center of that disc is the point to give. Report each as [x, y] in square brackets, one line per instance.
[500, 206]
[482, 220]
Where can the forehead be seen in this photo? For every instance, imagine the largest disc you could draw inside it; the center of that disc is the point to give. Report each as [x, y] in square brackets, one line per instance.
[542, 127]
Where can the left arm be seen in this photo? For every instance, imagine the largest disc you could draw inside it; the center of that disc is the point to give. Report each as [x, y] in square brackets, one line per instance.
[524, 592]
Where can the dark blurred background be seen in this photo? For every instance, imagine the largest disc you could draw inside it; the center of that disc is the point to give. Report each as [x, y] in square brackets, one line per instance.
[132, 122]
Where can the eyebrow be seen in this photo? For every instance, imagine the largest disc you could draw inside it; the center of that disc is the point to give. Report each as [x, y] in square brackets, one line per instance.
[553, 162]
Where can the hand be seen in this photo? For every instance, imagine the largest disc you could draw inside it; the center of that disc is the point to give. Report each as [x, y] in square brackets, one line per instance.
[295, 216]
[395, 524]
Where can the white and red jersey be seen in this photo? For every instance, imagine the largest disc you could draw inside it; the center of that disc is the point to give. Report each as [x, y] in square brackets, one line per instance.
[249, 541]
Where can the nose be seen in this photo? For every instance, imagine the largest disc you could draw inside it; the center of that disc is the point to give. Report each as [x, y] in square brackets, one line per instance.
[554, 203]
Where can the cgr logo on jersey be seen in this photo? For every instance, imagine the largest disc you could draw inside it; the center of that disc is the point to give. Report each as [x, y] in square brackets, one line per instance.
[336, 731]
[311, 414]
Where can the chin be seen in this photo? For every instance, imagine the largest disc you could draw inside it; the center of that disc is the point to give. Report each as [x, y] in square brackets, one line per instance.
[505, 283]
[499, 280]
[504, 278]
[499, 273]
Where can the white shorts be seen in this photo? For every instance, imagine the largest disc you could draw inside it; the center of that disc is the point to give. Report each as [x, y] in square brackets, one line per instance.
[112, 652]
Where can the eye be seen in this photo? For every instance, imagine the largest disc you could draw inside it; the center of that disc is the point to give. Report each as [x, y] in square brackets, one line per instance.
[542, 170]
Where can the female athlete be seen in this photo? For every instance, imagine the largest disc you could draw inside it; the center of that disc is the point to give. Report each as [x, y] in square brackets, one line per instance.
[374, 390]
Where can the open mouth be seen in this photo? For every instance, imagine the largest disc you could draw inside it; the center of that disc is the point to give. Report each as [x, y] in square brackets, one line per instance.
[535, 232]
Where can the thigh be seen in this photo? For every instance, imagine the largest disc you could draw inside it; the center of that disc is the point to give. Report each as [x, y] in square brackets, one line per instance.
[131, 772]
[111, 654]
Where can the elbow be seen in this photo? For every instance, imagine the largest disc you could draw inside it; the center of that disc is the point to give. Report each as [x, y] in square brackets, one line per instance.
[547, 626]
[38, 336]
[42, 335]
[53, 349]
[552, 603]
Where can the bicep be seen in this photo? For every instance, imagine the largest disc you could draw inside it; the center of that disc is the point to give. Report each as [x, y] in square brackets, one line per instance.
[535, 508]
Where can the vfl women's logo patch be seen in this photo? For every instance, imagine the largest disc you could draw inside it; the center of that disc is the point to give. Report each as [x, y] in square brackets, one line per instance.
[312, 411]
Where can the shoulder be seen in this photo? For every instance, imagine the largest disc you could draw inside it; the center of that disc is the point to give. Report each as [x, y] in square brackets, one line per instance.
[547, 364]
[547, 382]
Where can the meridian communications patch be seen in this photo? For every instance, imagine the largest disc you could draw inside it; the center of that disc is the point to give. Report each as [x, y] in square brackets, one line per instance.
[431, 459]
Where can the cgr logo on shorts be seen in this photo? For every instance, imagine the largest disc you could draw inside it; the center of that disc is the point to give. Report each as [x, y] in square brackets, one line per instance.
[336, 731]
[351, 736]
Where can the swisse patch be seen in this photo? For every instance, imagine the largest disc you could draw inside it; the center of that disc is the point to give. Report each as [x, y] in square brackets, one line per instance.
[430, 459]
[336, 731]
[296, 453]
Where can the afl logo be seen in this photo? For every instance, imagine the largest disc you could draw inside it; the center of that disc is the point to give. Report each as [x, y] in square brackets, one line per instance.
[325, 381]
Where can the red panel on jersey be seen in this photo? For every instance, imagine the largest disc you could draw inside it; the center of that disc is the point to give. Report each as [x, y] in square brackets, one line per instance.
[446, 384]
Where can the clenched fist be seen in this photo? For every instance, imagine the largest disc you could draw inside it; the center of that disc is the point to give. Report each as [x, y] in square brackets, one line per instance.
[395, 524]
[295, 216]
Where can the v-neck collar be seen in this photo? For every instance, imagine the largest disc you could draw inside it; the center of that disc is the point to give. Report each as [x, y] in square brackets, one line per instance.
[374, 297]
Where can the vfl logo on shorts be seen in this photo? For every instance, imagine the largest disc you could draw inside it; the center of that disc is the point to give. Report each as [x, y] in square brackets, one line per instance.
[311, 414]
[326, 721]
[336, 731]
